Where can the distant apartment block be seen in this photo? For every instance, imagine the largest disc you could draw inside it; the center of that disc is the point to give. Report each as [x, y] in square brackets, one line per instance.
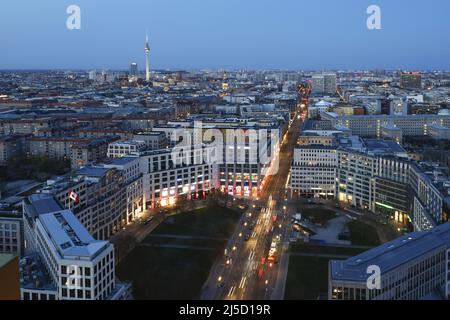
[26, 125]
[86, 153]
[11, 146]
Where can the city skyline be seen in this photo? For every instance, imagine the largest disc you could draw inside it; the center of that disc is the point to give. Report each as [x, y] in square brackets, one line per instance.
[222, 155]
[196, 35]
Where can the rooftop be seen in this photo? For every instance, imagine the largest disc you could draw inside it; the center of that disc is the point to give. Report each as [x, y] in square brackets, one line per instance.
[92, 171]
[69, 236]
[392, 254]
[383, 146]
[41, 203]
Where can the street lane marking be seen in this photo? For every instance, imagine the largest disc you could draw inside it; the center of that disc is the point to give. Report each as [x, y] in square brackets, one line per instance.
[231, 292]
[242, 284]
[251, 256]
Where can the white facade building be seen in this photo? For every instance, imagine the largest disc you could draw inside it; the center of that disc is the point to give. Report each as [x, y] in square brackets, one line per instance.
[413, 267]
[313, 171]
[75, 266]
[372, 125]
[170, 177]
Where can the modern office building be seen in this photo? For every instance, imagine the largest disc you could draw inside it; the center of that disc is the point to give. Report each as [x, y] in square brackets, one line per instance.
[330, 83]
[313, 171]
[318, 84]
[110, 195]
[375, 175]
[65, 262]
[372, 125]
[134, 72]
[412, 267]
[324, 83]
[170, 177]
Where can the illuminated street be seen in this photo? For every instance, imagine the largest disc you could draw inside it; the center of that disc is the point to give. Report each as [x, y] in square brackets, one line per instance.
[245, 272]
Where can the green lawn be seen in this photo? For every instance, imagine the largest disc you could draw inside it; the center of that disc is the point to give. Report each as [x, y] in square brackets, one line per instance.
[178, 273]
[215, 222]
[363, 234]
[317, 215]
[308, 276]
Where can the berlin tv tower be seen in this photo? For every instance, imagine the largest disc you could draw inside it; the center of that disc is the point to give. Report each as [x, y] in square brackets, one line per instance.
[147, 59]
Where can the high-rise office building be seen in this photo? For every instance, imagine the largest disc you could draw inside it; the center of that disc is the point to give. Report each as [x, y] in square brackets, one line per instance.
[134, 69]
[324, 83]
[318, 84]
[330, 80]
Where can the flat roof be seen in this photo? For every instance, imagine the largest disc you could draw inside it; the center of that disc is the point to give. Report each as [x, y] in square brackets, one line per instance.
[92, 171]
[41, 203]
[69, 236]
[122, 161]
[391, 254]
[375, 145]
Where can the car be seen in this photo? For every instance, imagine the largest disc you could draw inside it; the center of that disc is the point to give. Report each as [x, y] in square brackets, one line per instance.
[247, 237]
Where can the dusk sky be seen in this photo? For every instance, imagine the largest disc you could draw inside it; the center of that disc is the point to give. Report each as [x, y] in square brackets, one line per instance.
[232, 34]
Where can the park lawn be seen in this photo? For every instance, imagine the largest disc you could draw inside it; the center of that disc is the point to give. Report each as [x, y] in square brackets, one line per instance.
[317, 215]
[308, 275]
[214, 222]
[159, 272]
[307, 278]
[166, 273]
[363, 234]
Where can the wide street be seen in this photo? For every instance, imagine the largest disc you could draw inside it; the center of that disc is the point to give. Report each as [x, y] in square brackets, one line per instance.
[245, 272]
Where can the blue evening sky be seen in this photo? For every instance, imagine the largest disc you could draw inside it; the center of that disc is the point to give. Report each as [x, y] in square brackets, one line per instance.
[232, 34]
